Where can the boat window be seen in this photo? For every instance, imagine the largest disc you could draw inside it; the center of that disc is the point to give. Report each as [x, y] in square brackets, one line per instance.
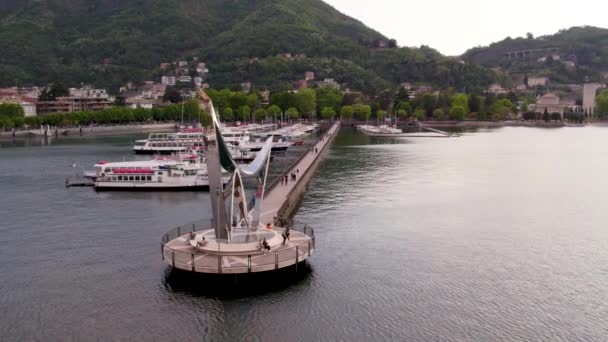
[119, 178]
[148, 178]
[136, 178]
[130, 178]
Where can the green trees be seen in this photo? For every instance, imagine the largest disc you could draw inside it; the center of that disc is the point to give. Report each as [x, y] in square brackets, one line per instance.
[601, 103]
[328, 97]
[457, 113]
[274, 110]
[11, 110]
[173, 96]
[227, 114]
[461, 100]
[402, 113]
[306, 100]
[346, 112]
[405, 106]
[292, 113]
[439, 114]
[502, 109]
[243, 112]
[328, 113]
[362, 112]
[381, 115]
[260, 113]
[52, 92]
[284, 100]
[192, 110]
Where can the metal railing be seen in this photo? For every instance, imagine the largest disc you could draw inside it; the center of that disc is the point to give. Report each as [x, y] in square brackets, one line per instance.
[197, 261]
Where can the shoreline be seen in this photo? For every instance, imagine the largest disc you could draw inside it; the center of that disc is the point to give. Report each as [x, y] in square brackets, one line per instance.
[92, 131]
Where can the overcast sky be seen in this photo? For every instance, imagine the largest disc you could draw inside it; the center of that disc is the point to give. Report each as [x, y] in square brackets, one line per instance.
[452, 27]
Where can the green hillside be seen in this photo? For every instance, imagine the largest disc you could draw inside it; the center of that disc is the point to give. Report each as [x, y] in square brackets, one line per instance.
[68, 40]
[582, 51]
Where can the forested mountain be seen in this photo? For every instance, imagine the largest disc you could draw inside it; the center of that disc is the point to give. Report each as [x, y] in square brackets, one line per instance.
[110, 42]
[582, 54]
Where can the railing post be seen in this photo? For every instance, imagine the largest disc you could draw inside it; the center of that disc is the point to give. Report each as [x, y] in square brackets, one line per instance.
[309, 242]
[249, 263]
[297, 258]
[276, 260]
[179, 231]
[162, 250]
[193, 227]
[173, 258]
[219, 264]
[192, 255]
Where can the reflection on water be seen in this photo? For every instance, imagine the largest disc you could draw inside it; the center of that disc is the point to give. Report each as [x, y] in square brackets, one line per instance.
[494, 235]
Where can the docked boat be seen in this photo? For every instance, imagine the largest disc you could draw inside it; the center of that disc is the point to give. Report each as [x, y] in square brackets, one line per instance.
[379, 130]
[177, 172]
[167, 143]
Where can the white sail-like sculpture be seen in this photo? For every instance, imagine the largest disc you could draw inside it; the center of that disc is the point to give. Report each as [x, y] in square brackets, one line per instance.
[218, 158]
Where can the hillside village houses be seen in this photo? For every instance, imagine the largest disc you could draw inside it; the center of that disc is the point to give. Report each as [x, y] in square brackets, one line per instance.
[537, 82]
[25, 97]
[79, 99]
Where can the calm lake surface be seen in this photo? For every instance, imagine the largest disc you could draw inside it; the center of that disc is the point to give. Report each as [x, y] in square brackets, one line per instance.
[494, 235]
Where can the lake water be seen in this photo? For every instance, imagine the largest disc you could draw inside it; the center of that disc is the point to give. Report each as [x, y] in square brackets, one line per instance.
[494, 235]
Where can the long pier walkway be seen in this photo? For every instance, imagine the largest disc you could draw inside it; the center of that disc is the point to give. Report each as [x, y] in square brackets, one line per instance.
[278, 194]
[192, 247]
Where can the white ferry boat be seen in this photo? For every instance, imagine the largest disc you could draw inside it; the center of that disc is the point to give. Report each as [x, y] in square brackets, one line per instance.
[167, 143]
[179, 172]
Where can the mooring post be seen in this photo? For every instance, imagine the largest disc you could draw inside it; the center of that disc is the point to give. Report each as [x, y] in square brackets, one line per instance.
[219, 264]
[173, 258]
[179, 231]
[192, 255]
[162, 251]
[249, 263]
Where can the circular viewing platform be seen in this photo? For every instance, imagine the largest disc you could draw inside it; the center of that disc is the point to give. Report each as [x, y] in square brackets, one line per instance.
[243, 255]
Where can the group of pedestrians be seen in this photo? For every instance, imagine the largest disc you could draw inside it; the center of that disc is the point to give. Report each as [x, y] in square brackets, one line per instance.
[293, 175]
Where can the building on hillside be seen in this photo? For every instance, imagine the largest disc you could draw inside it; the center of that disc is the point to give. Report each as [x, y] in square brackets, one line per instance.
[537, 82]
[301, 84]
[168, 80]
[185, 79]
[246, 87]
[328, 83]
[264, 96]
[140, 103]
[551, 104]
[589, 94]
[182, 63]
[164, 66]
[29, 108]
[309, 76]
[496, 89]
[67, 104]
[198, 81]
[88, 92]
[406, 86]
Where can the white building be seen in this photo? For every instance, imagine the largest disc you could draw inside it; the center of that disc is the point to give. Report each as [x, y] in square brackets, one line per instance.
[168, 80]
[185, 79]
[538, 81]
[589, 94]
[29, 108]
[88, 92]
[309, 76]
